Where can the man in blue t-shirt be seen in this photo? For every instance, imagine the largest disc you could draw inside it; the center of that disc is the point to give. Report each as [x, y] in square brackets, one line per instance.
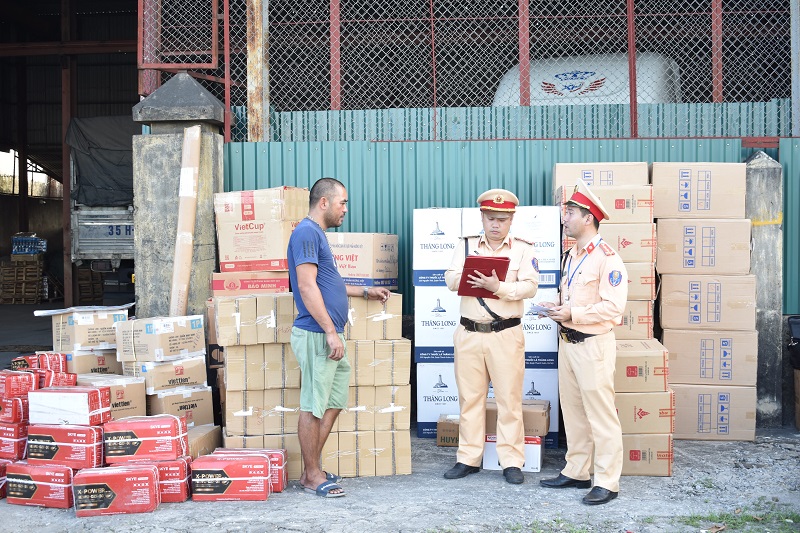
[317, 336]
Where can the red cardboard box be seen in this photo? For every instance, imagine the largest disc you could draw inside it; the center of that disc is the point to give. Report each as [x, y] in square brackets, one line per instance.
[67, 445]
[16, 384]
[173, 478]
[24, 362]
[53, 378]
[279, 476]
[85, 406]
[40, 485]
[12, 441]
[237, 477]
[52, 361]
[13, 410]
[154, 438]
[3, 464]
[132, 488]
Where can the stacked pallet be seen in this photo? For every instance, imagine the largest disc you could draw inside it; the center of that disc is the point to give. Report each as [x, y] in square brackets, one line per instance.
[90, 286]
[21, 281]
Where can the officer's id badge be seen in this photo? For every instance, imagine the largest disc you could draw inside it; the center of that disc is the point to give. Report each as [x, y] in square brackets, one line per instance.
[535, 263]
[615, 278]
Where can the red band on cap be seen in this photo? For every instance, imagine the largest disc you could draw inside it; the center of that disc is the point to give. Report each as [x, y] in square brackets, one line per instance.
[584, 201]
[491, 205]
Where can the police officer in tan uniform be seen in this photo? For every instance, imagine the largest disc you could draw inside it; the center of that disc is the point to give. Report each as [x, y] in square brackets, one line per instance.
[593, 292]
[489, 344]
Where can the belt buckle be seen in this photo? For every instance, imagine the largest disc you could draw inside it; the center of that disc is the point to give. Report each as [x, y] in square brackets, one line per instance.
[483, 327]
[565, 336]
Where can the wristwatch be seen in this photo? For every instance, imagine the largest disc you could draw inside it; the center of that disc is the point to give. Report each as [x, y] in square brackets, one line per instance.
[366, 293]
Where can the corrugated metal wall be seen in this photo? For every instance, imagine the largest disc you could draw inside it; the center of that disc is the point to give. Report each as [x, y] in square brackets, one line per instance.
[789, 152]
[386, 181]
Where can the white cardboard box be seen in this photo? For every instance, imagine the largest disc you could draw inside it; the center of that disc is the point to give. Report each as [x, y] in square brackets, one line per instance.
[437, 394]
[600, 174]
[436, 235]
[699, 190]
[542, 384]
[703, 246]
[436, 316]
[541, 333]
[533, 454]
[365, 259]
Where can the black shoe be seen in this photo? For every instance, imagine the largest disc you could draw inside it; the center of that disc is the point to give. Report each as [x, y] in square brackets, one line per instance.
[562, 482]
[599, 495]
[461, 470]
[513, 475]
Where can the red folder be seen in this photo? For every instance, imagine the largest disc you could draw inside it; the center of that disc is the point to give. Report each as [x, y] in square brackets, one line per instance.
[484, 265]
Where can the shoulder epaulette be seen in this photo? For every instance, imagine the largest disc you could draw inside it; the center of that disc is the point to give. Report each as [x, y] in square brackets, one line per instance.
[608, 250]
[526, 241]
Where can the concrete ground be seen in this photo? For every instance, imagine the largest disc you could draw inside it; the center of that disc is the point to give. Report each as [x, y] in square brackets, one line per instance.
[746, 486]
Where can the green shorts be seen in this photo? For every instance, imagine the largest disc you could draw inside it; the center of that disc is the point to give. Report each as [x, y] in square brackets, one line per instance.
[323, 382]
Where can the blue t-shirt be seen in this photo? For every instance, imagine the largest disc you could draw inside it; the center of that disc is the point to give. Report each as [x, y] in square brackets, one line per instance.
[308, 244]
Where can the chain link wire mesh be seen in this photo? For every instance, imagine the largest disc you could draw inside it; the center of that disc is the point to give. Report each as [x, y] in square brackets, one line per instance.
[432, 64]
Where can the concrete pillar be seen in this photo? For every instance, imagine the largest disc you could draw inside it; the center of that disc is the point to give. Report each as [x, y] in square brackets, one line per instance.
[764, 208]
[178, 104]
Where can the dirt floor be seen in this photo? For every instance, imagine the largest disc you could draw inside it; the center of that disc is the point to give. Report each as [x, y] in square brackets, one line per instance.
[743, 486]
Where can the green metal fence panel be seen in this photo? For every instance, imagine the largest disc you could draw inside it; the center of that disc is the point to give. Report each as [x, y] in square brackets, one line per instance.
[789, 151]
[386, 181]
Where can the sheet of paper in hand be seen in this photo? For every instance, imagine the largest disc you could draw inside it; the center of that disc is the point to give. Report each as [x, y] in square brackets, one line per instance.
[484, 265]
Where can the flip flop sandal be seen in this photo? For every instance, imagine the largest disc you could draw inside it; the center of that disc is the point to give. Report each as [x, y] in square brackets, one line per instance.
[323, 490]
[333, 477]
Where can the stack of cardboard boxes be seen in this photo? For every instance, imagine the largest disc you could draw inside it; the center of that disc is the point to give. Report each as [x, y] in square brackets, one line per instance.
[708, 309]
[437, 311]
[645, 404]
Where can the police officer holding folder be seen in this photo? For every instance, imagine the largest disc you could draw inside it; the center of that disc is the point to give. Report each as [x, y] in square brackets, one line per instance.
[489, 343]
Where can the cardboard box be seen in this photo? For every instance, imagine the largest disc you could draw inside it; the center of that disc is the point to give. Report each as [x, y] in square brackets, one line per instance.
[533, 454]
[392, 453]
[356, 457]
[24, 362]
[641, 281]
[49, 378]
[204, 439]
[3, 464]
[277, 464]
[127, 393]
[393, 407]
[52, 361]
[535, 417]
[173, 478]
[156, 438]
[626, 204]
[282, 371]
[635, 243]
[13, 410]
[436, 317]
[195, 403]
[249, 283]
[600, 174]
[392, 362]
[161, 339]
[715, 412]
[708, 302]
[637, 321]
[39, 485]
[243, 441]
[94, 362]
[447, 430]
[244, 413]
[541, 384]
[329, 455]
[646, 412]
[541, 333]
[647, 455]
[236, 320]
[274, 318]
[642, 366]
[244, 368]
[356, 326]
[703, 246]
[437, 394]
[66, 445]
[85, 405]
[281, 411]
[699, 190]
[290, 443]
[436, 233]
[231, 477]
[712, 357]
[14, 384]
[187, 372]
[361, 354]
[360, 412]
[132, 488]
[13, 439]
[253, 227]
[86, 328]
[385, 319]
[366, 259]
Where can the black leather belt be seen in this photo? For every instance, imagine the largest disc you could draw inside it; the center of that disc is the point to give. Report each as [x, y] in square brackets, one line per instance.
[573, 336]
[489, 327]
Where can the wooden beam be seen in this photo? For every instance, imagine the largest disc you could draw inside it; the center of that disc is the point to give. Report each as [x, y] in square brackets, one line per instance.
[62, 48]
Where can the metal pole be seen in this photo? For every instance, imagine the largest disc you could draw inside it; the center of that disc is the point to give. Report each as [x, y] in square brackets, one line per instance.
[795, 29]
[524, 53]
[716, 51]
[336, 54]
[68, 93]
[22, 142]
[634, 103]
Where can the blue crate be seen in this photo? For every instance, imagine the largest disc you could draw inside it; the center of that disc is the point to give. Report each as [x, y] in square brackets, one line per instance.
[27, 244]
